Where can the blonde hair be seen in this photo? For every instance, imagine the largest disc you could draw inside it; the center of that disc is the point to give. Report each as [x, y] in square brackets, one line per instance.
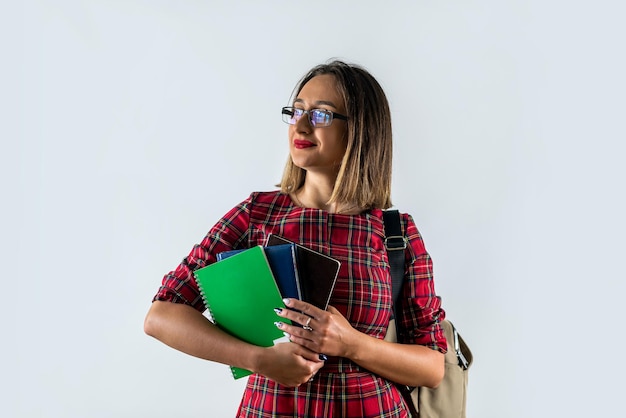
[364, 176]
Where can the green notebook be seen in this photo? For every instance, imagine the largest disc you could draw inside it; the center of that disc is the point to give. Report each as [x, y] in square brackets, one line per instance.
[240, 293]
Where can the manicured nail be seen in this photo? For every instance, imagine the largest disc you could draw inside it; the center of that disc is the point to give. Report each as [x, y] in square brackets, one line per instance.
[278, 324]
[286, 334]
[278, 310]
[323, 357]
[286, 301]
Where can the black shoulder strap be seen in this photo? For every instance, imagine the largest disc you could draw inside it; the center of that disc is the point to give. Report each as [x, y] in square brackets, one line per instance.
[395, 242]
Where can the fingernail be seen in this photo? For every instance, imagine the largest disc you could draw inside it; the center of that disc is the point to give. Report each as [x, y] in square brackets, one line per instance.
[323, 357]
[286, 301]
[286, 334]
[278, 324]
[278, 310]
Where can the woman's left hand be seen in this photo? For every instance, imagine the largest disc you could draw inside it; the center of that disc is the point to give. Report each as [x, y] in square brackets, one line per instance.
[329, 333]
[325, 332]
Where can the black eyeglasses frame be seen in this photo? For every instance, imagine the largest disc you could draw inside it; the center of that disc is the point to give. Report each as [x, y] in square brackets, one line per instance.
[290, 110]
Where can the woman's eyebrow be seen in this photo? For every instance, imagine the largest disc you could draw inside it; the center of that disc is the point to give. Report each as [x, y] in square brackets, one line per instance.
[317, 103]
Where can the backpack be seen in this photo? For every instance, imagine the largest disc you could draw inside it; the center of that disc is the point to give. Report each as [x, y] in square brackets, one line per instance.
[448, 400]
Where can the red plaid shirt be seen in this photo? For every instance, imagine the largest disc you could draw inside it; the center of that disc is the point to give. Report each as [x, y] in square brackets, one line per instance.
[362, 294]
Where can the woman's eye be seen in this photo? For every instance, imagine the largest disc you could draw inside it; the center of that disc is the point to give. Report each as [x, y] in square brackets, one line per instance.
[321, 115]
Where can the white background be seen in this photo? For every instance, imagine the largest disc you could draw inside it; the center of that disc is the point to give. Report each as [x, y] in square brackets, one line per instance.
[129, 127]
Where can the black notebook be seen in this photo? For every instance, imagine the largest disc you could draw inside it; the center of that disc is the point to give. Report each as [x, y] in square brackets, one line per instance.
[317, 272]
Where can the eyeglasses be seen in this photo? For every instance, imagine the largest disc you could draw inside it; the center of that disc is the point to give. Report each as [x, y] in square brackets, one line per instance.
[318, 118]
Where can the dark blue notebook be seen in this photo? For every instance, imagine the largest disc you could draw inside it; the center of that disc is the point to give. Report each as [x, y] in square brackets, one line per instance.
[282, 261]
[317, 272]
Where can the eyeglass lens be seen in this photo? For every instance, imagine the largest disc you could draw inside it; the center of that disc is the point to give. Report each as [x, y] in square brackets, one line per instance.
[317, 117]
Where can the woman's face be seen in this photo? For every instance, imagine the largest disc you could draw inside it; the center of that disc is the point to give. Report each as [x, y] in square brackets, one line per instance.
[319, 149]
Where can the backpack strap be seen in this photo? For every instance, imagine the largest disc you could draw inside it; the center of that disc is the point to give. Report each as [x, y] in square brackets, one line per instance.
[395, 242]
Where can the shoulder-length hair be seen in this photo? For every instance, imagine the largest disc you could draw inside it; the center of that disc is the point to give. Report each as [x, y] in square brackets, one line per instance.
[364, 176]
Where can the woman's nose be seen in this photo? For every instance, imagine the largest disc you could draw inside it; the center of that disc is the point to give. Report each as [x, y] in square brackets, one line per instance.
[304, 123]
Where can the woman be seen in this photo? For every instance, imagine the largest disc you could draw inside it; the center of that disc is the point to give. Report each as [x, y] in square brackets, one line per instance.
[335, 184]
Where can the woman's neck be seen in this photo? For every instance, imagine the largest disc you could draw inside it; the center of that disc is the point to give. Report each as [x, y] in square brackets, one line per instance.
[314, 194]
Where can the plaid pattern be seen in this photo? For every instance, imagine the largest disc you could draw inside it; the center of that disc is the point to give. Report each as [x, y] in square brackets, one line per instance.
[358, 394]
[362, 293]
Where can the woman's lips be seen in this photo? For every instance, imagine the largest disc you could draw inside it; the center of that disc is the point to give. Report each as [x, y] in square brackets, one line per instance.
[302, 143]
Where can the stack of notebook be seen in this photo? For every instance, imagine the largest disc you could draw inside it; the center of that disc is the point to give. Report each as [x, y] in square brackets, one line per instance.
[242, 289]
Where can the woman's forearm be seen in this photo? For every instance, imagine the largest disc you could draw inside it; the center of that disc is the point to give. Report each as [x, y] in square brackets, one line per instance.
[408, 364]
[186, 329]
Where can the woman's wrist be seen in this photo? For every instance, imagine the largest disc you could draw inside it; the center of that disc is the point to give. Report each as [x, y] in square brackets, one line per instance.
[356, 345]
[255, 359]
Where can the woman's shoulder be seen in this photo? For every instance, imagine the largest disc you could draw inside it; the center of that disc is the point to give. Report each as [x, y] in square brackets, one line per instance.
[410, 229]
[269, 201]
[272, 197]
[405, 218]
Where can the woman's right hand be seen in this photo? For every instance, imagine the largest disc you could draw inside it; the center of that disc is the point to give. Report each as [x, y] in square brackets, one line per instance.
[289, 364]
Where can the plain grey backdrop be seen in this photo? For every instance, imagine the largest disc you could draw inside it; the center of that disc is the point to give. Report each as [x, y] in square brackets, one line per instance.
[129, 127]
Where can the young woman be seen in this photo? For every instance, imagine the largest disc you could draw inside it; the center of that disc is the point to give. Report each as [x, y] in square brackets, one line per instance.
[335, 185]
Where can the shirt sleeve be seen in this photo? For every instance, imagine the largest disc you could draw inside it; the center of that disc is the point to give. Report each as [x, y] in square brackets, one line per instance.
[230, 232]
[421, 310]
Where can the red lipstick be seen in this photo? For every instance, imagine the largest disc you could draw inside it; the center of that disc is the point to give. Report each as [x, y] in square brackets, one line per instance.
[302, 143]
